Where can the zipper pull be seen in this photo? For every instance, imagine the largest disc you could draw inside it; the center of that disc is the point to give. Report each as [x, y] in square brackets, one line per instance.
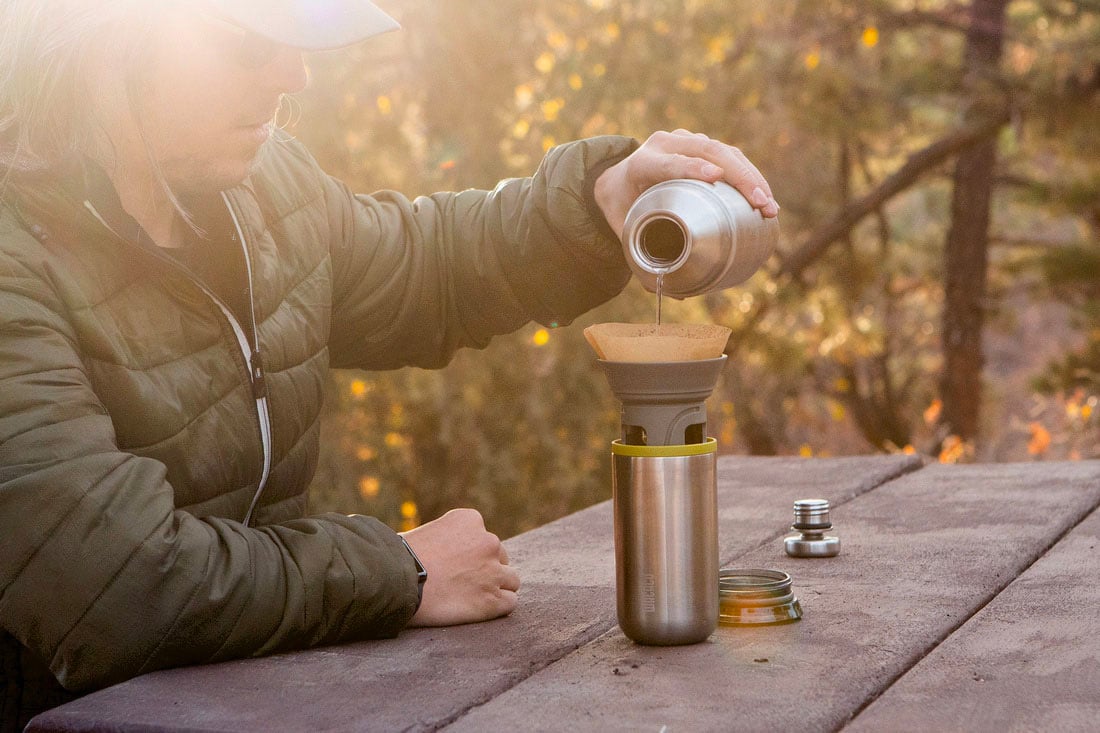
[259, 385]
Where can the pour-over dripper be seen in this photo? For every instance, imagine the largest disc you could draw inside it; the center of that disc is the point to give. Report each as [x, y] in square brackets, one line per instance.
[663, 403]
[663, 375]
[651, 342]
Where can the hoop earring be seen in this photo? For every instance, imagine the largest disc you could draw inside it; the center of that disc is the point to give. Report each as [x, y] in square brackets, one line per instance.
[292, 109]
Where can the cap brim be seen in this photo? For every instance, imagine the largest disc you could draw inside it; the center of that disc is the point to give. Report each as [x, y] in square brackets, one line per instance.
[311, 25]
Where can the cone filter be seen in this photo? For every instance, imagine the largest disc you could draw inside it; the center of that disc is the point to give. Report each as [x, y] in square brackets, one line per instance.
[649, 342]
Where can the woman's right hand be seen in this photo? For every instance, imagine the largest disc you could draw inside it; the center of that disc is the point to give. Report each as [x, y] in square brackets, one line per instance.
[469, 578]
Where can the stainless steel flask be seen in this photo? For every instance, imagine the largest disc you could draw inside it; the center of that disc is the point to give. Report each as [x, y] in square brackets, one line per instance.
[701, 236]
[666, 541]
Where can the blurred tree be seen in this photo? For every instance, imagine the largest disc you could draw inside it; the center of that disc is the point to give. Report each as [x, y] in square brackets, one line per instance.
[966, 253]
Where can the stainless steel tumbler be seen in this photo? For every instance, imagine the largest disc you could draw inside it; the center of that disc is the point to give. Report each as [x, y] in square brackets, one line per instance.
[702, 236]
[666, 541]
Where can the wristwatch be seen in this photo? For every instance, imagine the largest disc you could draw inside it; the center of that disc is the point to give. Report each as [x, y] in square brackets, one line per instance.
[421, 573]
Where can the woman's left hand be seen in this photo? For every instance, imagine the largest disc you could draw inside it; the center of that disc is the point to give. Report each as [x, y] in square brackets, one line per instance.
[679, 154]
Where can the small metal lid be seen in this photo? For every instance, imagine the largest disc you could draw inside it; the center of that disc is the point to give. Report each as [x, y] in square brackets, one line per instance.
[812, 514]
[751, 597]
[811, 522]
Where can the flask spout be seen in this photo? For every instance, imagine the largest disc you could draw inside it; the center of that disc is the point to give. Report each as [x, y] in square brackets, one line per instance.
[662, 244]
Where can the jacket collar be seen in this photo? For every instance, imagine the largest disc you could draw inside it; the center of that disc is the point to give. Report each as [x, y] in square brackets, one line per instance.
[94, 187]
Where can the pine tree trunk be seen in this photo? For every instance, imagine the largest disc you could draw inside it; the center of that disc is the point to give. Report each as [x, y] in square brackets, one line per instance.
[967, 246]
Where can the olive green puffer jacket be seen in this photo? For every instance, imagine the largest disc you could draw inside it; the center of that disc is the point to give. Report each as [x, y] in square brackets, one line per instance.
[133, 432]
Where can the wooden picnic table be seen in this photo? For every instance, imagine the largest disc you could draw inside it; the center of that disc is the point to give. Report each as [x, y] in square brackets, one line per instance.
[964, 598]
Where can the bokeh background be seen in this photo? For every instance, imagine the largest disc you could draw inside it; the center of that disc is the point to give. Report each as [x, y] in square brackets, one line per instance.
[937, 289]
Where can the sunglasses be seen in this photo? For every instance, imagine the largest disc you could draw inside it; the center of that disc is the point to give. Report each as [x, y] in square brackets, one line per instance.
[246, 48]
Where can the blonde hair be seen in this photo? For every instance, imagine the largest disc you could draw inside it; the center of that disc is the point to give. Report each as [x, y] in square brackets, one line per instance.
[47, 115]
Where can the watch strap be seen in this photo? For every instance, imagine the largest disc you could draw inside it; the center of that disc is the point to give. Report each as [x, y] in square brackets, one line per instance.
[421, 572]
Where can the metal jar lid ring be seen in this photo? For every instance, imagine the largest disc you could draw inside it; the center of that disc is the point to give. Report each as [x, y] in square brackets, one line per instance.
[756, 596]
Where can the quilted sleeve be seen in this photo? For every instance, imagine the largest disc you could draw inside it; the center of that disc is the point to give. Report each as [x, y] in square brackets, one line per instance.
[417, 279]
[105, 579]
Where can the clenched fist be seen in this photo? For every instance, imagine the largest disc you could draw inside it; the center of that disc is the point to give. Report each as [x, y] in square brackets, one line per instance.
[468, 574]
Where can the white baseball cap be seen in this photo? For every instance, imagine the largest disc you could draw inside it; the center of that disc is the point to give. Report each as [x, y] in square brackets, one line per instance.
[311, 25]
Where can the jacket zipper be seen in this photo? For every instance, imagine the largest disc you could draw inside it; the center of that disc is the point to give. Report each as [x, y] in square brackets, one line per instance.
[252, 356]
[255, 364]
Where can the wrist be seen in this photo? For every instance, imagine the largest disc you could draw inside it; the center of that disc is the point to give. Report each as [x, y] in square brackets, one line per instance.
[597, 182]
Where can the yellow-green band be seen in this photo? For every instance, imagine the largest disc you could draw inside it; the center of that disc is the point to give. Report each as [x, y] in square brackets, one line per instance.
[664, 451]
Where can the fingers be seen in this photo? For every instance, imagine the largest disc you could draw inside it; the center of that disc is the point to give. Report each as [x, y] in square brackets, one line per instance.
[506, 591]
[507, 601]
[684, 154]
[679, 154]
[498, 596]
[509, 579]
